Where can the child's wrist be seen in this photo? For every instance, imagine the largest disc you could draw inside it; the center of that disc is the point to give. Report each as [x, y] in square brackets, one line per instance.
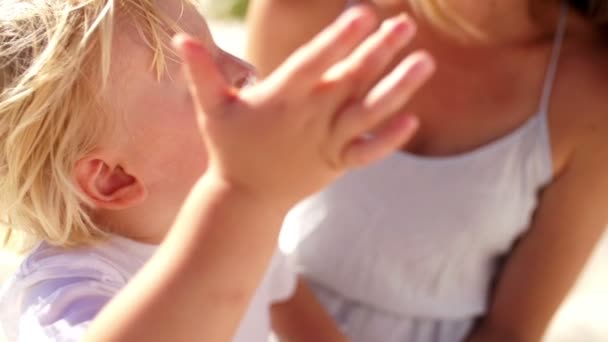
[235, 191]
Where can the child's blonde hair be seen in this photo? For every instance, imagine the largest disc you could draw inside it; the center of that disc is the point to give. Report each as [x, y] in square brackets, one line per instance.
[54, 60]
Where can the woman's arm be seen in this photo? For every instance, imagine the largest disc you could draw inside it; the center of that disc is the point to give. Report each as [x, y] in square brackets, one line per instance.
[279, 27]
[544, 266]
[303, 319]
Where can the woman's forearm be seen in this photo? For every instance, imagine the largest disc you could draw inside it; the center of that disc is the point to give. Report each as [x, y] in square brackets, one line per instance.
[302, 318]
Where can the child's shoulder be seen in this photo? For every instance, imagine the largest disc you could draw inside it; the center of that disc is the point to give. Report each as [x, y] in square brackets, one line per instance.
[54, 283]
[114, 259]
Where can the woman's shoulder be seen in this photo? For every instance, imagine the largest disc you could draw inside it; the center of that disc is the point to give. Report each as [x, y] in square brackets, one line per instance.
[583, 68]
[587, 83]
[579, 112]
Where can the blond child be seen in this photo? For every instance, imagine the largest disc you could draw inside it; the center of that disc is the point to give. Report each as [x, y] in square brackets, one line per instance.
[141, 230]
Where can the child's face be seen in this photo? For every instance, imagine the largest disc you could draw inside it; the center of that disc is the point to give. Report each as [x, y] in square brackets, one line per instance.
[160, 143]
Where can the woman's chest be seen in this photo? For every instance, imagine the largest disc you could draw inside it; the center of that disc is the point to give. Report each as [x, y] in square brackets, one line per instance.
[428, 203]
[468, 105]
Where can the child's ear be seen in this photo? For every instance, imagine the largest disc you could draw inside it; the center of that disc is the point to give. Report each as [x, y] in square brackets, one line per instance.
[108, 185]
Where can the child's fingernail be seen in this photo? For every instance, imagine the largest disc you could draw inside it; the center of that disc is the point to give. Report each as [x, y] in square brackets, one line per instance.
[418, 70]
[401, 27]
[405, 22]
[424, 65]
[358, 17]
[401, 18]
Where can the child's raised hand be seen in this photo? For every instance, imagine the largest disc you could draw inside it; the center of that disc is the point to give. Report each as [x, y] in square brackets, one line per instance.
[325, 110]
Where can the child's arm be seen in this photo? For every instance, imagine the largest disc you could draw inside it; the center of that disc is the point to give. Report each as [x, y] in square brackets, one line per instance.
[302, 319]
[269, 146]
[200, 281]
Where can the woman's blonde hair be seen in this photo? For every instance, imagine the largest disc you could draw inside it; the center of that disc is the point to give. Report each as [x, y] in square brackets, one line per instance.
[54, 60]
[440, 13]
[443, 16]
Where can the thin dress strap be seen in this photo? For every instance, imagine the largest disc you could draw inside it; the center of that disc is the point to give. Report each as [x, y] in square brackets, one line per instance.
[553, 64]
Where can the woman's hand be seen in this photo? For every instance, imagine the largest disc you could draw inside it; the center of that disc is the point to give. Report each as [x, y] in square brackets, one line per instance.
[325, 110]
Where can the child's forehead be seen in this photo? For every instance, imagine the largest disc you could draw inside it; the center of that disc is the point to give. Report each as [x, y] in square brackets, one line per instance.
[186, 17]
[173, 15]
[133, 56]
[132, 39]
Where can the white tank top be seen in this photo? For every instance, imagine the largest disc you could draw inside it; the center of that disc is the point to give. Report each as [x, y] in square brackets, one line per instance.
[422, 236]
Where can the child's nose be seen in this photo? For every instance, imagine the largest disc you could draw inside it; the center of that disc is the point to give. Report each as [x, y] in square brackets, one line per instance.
[238, 72]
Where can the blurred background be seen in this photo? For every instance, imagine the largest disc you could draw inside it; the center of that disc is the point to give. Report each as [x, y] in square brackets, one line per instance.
[583, 317]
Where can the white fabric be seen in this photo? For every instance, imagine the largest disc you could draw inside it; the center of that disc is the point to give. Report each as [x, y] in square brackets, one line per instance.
[57, 293]
[407, 249]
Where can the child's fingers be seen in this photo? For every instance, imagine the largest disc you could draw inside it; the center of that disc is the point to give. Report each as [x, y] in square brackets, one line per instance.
[390, 137]
[206, 82]
[370, 60]
[334, 43]
[395, 90]
[387, 98]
